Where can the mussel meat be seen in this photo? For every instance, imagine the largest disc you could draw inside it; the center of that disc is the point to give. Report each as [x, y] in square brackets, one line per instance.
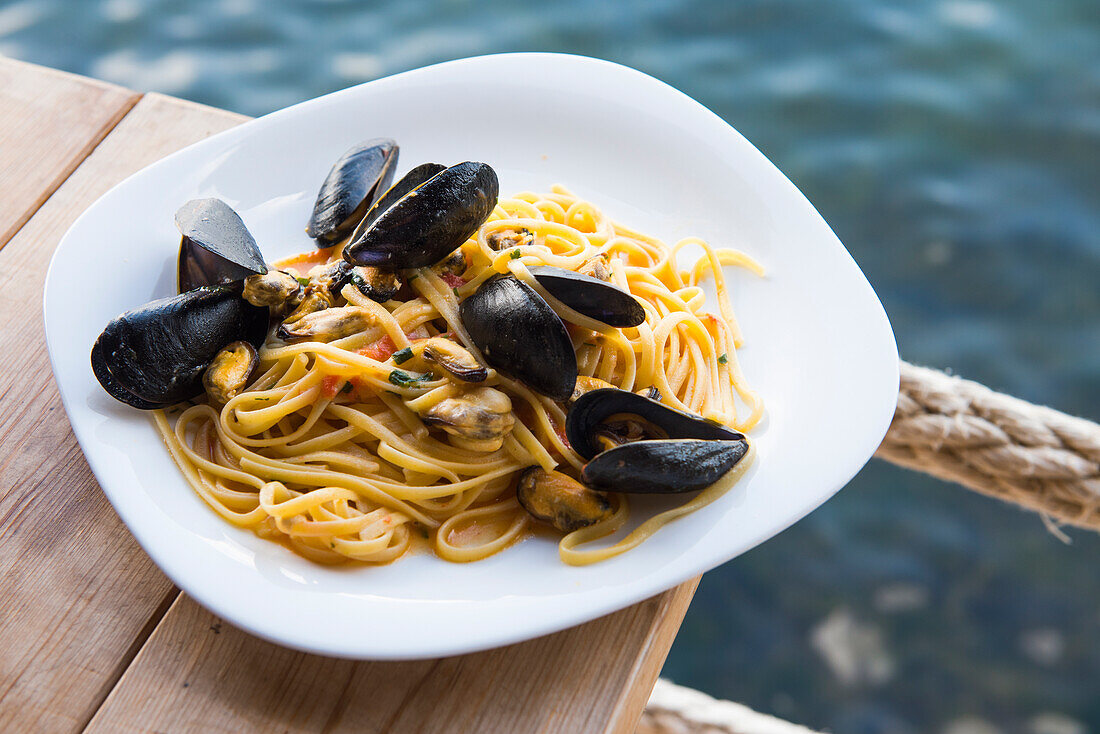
[480, 417]
[155, 356]
[605, 413]
[453, 264]
[454, 358]
[521, 336]
[216, 247]
[228, 373]
[587, 384]
[560, 500]
[323, 284]
[354, 182]
[375, 283]
[428, 223]
[273, 289]
[664, 466]
[506, 239]
[327, 325]
[596, 267]
[596, 299]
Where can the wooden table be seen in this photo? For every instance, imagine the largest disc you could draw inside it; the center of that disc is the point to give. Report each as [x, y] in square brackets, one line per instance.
[92, 635]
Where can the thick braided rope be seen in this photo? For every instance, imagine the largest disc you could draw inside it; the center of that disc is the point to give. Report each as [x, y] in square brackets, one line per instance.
[999, 445]
[673, 709]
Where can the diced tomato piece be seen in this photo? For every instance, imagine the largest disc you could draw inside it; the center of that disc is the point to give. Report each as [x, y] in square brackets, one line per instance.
[330, 385]
[380, 350]
[363, 391]
[560, 430]
[455, 281]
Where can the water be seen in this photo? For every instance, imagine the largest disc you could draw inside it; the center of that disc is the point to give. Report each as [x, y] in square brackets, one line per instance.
[952, 145]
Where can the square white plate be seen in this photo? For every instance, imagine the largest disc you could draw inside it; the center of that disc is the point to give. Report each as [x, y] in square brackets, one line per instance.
[818, 345]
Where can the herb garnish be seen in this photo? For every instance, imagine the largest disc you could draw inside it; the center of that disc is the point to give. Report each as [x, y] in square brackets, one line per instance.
[404, 379]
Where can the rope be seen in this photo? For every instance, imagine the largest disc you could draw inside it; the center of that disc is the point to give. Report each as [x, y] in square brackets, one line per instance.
[998, 445]
[673, 709]
[963, 432]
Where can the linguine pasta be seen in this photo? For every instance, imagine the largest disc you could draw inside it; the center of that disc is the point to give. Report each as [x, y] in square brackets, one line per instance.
[326, 449]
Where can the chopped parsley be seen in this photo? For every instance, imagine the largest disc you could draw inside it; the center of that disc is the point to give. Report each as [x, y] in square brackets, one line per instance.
[455, 291]
[402, 355]
[302, 281]
[404, 379]
[515, 254]
[723, 359]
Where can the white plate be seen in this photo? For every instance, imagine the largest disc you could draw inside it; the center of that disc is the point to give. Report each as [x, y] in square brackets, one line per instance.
[818, 345]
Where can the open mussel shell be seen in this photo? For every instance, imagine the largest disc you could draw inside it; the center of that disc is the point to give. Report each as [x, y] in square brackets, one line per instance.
[664, 466]
[354, 182]
[155, 356]
[428, 223]
[216, 247]
[590, 296]
[589, 411]
[521, 336]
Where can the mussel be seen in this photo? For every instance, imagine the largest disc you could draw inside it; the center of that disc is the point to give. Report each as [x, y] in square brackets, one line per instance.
[452, 357]
[560, 500]
[216, 247]
[521, 336]
[635, 444]
[355, 181]
[323, 284]
[506, 239]
[327, 325]
[375, 283]
[274, 289]
[480, 417]
[428, 223]
[612, 410]
[596, 299]
[407, 183]
[663, 467]
[155, 356]
[587, 384]
[229, 371]
[596, 267]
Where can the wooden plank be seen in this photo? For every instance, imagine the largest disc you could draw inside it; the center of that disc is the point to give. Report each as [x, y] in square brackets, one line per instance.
[79, 594]
[197, 674]
[49, 122]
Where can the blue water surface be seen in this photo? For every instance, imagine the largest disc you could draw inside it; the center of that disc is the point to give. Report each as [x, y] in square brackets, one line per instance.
[953, 145]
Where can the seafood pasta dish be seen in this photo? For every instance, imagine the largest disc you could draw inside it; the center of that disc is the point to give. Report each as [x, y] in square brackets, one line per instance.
[448, 368]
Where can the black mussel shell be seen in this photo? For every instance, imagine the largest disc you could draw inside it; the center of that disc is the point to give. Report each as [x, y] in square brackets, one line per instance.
[216, 247]
[521, 336]
[354, 182]
[593, 408]
[590, 296]
[663, 467]
[154, 356]
[428, 223]
[407, 183]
